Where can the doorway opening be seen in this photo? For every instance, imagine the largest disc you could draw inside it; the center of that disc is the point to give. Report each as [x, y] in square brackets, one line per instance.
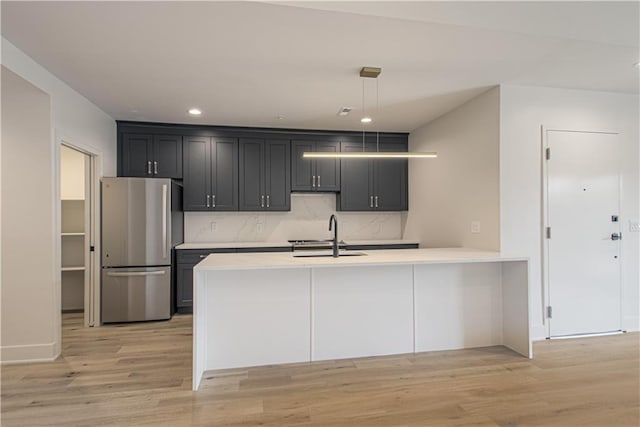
[77, 237]
[582, 232]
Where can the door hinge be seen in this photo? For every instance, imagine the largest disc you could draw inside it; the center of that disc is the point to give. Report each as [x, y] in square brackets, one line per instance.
[548, 232]
[549, 312]
[547, 153]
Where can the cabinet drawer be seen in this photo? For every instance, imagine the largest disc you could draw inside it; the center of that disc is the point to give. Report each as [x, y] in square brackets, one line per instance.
[194, 256]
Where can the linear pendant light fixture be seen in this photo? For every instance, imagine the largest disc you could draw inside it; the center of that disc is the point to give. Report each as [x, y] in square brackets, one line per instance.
[371, 73]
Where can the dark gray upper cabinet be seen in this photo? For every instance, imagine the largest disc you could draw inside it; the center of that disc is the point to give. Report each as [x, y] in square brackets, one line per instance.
[373, 184]
[314, 174]
[147, 155]
[264, 177]
[210, 174]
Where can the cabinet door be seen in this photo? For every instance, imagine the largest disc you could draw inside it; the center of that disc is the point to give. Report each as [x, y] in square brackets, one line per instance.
[197, 178]
[184, 285]
[277, 178]
[137, 153]
[301, 169]
[390, 181]
[251, 174]
[327, 171]
[355, 176]
[167, 156]
[224, 174]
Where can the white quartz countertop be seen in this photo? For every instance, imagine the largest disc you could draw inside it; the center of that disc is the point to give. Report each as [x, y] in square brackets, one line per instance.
[206, 245]
[250, 261]
[225, 245]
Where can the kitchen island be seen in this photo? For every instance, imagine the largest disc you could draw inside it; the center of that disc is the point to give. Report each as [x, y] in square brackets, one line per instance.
[272, 308]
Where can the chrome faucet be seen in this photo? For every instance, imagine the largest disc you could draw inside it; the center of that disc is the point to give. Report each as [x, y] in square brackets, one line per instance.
[334, 221]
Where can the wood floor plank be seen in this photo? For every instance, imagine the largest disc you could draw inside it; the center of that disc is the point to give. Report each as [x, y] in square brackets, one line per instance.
[140, 375]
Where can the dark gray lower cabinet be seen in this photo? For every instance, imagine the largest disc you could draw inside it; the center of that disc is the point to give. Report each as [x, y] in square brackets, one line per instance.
[186, 260]
[264, 177]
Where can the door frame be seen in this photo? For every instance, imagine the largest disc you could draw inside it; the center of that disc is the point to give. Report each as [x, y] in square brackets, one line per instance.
[544, 242]
[92, 288]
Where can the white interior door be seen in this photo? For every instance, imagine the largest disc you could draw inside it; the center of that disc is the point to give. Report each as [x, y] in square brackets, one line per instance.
[583, 202]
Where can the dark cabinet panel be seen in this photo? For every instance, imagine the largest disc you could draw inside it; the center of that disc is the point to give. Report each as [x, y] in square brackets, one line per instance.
[277, 179]
[137, 151]
[251, 174]
[197, 165]
[184, 286]
[224, 174]
[264, 175]
[152, 156]
[210, 174]
[327, 170]
[356, 192]
[373, 184]
[167, 157]
[314, 174]
[301, 169]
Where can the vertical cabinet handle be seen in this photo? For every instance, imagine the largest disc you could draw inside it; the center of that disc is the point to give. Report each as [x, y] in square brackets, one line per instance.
[371, 202]
[262, 201]
[213, 201]
[318, 181]
[155, 168]
[267, 200]
[376, 201]
[208, 201]
[313, 181]
[149, 167]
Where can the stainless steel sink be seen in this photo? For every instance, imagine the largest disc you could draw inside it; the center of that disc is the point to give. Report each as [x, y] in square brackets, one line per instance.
[324, 254]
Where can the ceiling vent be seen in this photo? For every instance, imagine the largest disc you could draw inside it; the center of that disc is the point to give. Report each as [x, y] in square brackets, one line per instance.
[344, 111]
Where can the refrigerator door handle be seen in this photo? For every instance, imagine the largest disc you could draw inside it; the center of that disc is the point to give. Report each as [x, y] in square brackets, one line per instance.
[135, 273]
[164, 220]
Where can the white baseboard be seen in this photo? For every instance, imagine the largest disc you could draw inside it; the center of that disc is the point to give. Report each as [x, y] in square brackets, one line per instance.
[12, 354]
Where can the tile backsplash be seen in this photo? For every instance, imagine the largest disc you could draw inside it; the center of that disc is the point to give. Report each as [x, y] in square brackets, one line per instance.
[308, 219]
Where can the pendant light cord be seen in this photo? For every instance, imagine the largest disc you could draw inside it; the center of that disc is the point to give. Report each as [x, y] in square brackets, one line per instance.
[377, 115]
[363, 114]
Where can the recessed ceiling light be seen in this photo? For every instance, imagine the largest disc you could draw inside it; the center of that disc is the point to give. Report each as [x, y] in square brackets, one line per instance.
[366, 120]
[195, 111]
[279, 117]
[637, 65]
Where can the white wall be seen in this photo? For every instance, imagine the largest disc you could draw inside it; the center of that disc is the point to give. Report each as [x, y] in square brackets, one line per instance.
[523, 111]
[78, 122]
[28, 263]
[71, 174]
[462, 185]
[308, 219]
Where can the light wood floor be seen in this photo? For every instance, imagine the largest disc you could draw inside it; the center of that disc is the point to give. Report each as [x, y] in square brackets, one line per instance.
[140, 374]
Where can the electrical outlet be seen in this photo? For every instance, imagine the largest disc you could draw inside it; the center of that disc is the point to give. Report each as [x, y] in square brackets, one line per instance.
[214, 226]
[475, 227]
[634, 226]
[259, 228]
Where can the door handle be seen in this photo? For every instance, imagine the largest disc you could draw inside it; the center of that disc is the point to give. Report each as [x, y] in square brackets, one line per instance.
[262, 201]
[267, 200]
[313, 181]
[318, 181]
[165, 243]
[213, 201]
[149, 167]
[376, 201]
[616, 236]
[155, 168]
[371, 201]
[208, 201]
[135, 273]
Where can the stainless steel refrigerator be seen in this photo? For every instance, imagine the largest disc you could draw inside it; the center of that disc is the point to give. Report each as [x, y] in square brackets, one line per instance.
[142, 221]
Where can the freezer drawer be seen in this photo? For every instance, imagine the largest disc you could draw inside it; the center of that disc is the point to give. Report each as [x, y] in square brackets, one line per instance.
[135, 294]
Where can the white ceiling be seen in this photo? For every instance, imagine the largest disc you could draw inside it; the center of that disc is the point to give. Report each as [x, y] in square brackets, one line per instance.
[246, 63]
